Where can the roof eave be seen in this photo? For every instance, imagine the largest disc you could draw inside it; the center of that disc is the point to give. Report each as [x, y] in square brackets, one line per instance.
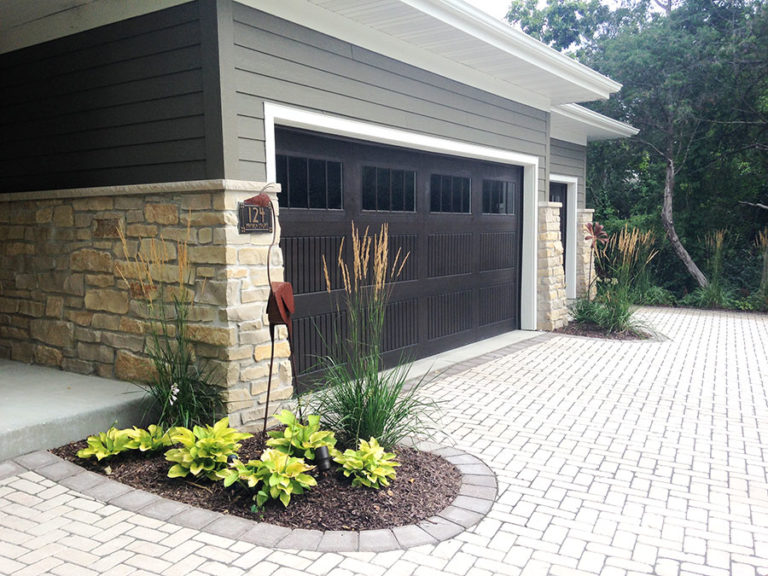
[577, 124]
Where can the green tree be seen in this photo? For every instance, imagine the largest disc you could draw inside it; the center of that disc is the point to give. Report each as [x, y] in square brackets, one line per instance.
[695, 83]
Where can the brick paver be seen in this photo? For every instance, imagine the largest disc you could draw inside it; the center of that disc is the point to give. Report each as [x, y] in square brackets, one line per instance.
[612, 458]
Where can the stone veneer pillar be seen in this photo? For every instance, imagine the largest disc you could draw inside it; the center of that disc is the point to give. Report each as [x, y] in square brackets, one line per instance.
[583, 261]
[63, 302]
[552, 304]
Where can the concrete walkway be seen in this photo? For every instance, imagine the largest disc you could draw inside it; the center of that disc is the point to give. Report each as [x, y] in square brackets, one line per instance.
[44, 407]
[612, 458]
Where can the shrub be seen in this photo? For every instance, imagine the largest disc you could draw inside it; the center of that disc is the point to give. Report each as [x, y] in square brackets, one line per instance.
[359, 400]
[369, 465]
[204, 451]
[301, 439]
[108, 444]
[657, 296]
[152, 439]
[185, 392]
[279, 474]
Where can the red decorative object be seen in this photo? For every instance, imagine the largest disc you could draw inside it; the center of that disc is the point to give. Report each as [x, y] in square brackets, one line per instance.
[259, 200]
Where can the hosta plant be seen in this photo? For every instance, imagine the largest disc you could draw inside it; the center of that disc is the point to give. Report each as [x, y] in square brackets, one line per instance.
[108, 443]
[369, 466]
[279, 475]
[204, 450]
[299, 439]
[154, 438]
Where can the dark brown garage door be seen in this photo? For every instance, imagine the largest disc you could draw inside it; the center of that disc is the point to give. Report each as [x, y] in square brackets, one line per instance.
[458, 219]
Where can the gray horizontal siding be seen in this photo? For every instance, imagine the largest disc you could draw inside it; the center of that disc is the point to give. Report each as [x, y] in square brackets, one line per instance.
[279, 61]
[121, 104]
[569, 159]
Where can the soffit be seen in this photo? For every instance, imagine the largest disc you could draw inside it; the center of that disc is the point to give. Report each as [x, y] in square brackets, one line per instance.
[453, 39]
[447, 37]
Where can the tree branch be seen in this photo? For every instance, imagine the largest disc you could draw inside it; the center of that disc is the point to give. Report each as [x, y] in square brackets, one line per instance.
[755, 205]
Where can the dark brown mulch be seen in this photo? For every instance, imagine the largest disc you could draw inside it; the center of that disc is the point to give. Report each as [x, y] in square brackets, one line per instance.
[425, 484]
[594, 331]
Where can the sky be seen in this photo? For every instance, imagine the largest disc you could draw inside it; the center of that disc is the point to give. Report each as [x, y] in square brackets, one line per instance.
[496, 8]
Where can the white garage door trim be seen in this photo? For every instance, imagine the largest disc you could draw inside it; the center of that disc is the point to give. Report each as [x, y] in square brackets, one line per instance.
[321, 122]
[572, 184]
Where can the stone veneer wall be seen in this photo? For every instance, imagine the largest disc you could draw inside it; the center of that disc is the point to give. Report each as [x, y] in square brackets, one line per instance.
[63, 302]
[552, 304]
[583, 261]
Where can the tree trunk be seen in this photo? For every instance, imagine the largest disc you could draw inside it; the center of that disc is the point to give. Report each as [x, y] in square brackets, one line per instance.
[669, 227]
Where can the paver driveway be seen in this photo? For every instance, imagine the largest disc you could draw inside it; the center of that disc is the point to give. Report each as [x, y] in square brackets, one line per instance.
[612, 458]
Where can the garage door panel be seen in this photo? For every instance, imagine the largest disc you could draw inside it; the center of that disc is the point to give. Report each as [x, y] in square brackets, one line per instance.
[404, 246]
[449, 254]
[496, 303]
[449, 313]
[497, 250]
[401, 328]
[303, 261]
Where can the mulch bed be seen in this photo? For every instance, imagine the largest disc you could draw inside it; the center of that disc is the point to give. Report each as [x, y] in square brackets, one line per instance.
[425, 484]
[594, 331]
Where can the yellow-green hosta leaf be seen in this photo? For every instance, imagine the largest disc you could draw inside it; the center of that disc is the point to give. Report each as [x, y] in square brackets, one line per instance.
[221, 425]
[306, 479]
[177, 471]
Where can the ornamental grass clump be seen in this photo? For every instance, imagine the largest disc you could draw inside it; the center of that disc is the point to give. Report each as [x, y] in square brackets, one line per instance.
[359, 400]
[623, 259]
[714, 294]
[185, 391]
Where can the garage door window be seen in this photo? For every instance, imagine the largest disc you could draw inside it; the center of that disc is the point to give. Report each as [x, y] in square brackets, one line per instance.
[389, 190]
[449, 194]
[309, 182]
[499, 197]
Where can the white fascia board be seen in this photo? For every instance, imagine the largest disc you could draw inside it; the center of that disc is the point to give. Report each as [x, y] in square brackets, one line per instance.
[477, 23]
[77, 18]
[331, 24]
[282, 115]
[579, 125]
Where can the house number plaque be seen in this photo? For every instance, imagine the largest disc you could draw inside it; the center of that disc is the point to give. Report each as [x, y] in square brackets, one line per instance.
[254, 218]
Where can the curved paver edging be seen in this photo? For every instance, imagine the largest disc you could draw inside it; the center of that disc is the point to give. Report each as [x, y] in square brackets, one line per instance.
[476, 496]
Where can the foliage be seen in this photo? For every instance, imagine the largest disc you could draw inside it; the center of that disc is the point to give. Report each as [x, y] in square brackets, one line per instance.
[695, 82]
[597, 237]
[107, 444]
[761, 297]
[360, 400]
[656, 296]
[369, 465]
[622, 261]
[279, 474]
[204, 451]
[301, 439]
[185, 391]
[152, 439]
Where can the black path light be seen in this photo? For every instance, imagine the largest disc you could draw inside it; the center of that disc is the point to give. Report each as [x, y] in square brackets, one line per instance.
[323, 458]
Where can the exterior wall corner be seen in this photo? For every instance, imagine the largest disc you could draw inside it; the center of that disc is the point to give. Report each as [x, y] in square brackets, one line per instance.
[551, 297]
